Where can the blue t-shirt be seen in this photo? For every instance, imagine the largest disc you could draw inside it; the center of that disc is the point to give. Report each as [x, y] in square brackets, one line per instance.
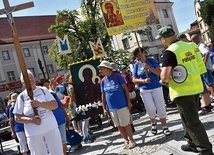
[139, 72]
[18, 127]
[114, 93]
[58, 112]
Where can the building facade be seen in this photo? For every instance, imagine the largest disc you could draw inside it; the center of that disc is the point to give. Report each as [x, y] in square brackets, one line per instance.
[35, 40]
[155, 47]
[205, 33]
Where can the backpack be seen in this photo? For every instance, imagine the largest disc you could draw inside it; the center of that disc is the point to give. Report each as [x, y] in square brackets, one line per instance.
[130, 84]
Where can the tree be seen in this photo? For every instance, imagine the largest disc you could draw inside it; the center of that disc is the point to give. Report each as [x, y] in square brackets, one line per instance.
[207, 13]
[80, 27]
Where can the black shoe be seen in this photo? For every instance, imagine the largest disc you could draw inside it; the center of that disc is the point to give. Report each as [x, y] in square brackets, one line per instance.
[205, 111]
[189, 147]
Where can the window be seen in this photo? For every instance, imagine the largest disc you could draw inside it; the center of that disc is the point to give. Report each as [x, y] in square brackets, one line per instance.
[26, 52]
[32, 71]
[11, 76]
[126, 43]
[5, 55]
[149, 35]
[45, 50]
[165, 13]
[50, 69]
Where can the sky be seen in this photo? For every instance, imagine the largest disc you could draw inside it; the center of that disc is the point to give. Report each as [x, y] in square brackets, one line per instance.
[184, 13]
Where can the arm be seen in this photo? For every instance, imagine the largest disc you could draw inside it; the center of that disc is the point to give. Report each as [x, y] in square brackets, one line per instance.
[48, 104]
[13, 134]
[156, 71]
[165, 75]
[206, 57]
[124, 86]
[103, 98]
[140, 81]
[25, 120]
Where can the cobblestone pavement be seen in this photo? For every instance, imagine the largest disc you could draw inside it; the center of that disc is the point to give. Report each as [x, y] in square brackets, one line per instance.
[110, 143]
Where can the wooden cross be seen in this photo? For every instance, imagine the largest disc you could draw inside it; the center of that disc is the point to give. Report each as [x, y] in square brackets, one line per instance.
[8, 11]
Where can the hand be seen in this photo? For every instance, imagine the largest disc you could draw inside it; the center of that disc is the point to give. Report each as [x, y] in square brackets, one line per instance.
[36, 120]
[13, 134]
[147, 80]
[35, 103]
[162, 82]
[105, 112]
[146, 66]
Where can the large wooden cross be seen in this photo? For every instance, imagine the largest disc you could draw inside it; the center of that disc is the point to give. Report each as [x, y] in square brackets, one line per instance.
[8, 11]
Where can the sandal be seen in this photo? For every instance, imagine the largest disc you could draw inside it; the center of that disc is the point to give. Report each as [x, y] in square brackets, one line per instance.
[154, 129]
[166, 132]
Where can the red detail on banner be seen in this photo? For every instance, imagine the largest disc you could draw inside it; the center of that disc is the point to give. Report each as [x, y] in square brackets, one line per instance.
[10, 86]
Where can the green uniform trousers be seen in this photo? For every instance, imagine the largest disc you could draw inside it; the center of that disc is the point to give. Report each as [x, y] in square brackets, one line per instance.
[194, 130]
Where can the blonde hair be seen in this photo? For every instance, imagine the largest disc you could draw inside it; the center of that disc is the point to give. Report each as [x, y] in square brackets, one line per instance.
[52, 81]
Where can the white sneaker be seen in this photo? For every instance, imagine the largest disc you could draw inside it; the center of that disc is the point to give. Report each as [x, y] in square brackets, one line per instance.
[132, 144]
[126, 145]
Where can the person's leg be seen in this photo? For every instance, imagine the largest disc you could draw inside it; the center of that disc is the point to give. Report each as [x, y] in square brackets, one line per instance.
[53, 141]
[22, 142]
[194, 129]
[63, 136]
[150, 108]
[158, 98]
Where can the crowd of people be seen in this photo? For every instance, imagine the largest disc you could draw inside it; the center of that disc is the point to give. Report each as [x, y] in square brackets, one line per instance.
[35, 132]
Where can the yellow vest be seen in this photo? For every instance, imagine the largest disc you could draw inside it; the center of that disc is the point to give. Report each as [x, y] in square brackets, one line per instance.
[200, 62]
[186, 57]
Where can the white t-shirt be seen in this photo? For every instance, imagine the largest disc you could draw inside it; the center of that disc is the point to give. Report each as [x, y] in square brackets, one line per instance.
[202, 47]
[23, 107]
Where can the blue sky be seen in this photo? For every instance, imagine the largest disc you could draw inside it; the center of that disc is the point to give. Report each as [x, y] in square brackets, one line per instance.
[184, 12]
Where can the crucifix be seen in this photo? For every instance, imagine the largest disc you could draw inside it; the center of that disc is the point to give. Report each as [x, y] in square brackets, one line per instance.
[8, 11]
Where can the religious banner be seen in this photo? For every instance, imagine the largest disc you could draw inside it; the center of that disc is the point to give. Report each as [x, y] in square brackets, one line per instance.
[97, 49]
[63, 45]
[86, 81]
[126, 15]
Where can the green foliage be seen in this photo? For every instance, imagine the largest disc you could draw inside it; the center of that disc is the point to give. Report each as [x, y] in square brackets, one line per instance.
[120, 56]
[80, 27]
[207, 13]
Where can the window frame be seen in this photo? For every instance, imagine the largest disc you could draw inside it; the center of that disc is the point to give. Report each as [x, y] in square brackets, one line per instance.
[28, 52]
[7, 53]
[13, 76]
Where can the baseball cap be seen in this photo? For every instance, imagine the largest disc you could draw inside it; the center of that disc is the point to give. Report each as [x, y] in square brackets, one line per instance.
[122, 67]
[165, 32]
[58, 78]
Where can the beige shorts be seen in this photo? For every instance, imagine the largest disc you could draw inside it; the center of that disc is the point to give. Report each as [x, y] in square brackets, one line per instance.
[121, 117]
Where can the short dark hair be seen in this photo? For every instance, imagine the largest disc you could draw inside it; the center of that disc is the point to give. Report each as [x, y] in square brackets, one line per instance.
[42, 81]
[137, 50]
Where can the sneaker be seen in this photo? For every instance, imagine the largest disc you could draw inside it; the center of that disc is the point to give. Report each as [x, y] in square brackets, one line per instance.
[189, 147]
[126, 145]
[205, 111]
[88, 140]
[166, 132]
[132, 144]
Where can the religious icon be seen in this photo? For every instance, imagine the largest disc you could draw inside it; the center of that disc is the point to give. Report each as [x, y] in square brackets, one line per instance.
[111, 14]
